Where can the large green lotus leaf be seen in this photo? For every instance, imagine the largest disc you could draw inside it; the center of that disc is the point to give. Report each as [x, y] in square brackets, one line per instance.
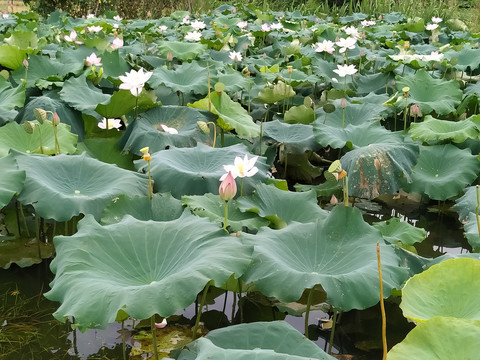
[146, 130]
[14, 136]
[231, 115]
[296, 138]
[140, 267]
[355, 114]
[277, 92]
[10, 98]
[106, 150]
[23, 252]
[451, 288]
[395, 231]
[185, 78]
[466, 204]
[181, 50]
[11, 179]
[51, 102]
[471, 232]
[23, 39]
[83, 95]
[338, 253]
[213, 207]
[431, 94]
[432, 129]
[379, 169]
[282, 207]
[197, 170]
[63, 186]
[122, 102]
[465, 58]
[442, 171]
[41, 67]
[234, 80]
[441, 338]
[273, 340]
[75, 58]
[353, 136]
[161, 207]
[11, 56]
[114, 64]
[301, 114]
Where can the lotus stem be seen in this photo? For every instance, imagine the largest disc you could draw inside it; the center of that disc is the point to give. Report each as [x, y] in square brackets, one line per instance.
[241, 187]
[24, 220]
[222, 137]
[307, 312]
[476, 210]
[382, 305]
[150, 190]
[345, 190]
[209, 94]
[202, 302]
[234, 305]
[332, 333]
[124, 350]
[154, 336]
[40, 137]
[226, 216]
[240, 308]
[57, 144]
[261, 129]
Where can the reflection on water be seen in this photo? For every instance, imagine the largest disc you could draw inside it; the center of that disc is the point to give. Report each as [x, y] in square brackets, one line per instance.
[28, 330]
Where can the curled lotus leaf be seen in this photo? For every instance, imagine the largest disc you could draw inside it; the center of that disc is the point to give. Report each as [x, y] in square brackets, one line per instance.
[450, 288]
[140, 267]
[11, 179]
[338, 253]
[432, 129]
[63, 186]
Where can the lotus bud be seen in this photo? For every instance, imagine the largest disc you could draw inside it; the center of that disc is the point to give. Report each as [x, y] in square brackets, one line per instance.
[380, 17]
[228, 188]
[28, 126]
[333, 200]
[264, 56]
[245, 46]
[162, 324]
[415, 111]
[463, 116]
[169, 56]
[25, 62]
[204, 127]
[40, 115]
[343, 103]
[55, 119]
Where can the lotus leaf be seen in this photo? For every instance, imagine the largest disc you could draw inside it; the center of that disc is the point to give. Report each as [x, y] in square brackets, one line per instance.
[212, 206]
[441, 338]
[185, 78]
[11, 179]
[471, 232]
[10, 98]
[11, 56]
[181, 50]
[301, 114]
[231, 115]
[450, 288]
[106, 150]
[23, 252]
[432, 129]
[82, 95]
[161, 207]
[114, 64]
[395, 231]
[196, 171]
[337, 253]
[431, 94]
[260, 340]
[296, 138]
[465, 58]
[379, 169]
[234, 81]
[63, 186]
[442, 171]
[282, 207]
[122, 102]
[140, 267]
[466, 204]
[277, 92]
[41, 68]
[14, 136]
[146, 129]
[355, 114]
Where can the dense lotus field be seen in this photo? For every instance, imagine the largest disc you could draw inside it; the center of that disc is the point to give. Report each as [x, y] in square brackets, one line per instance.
[166, 161]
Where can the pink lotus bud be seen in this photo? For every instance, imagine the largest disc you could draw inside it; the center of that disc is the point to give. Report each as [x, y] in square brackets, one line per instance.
[162, 324]
[149, 13]
[234, 10]
[333, 200]
[415, 110]
[343, 103]
[476, 44]
[228, 188]
[380, 17]
[55, 119]
[264, 56]
[245, 46]
[25, 62]
[169, 56]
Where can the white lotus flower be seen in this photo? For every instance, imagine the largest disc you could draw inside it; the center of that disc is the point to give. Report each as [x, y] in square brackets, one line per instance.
[344, 70]
[198, 25]
[162, 29]
[431, 27]
[347, 43]
[5, 16]
[325, 46]
[90, 16]
[265, 27]
[242, 24]
[241, 167]
[437, 20]
[276, 26]
[117, 43]
[169, 130]
[95, 29]
[72, 37]
[186, 19]
[352, 32]
[235, 56]
[93, 60]
[193, 36]
[110, 124]
[367, 23]
[134, 81]
[434, 56]
[117, 18]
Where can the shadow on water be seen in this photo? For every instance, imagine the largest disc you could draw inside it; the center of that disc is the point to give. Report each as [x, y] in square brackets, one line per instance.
[29, 331]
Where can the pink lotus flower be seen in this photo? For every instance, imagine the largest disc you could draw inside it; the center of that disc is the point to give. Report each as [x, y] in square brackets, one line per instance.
[93, 60]
[162, 324]
[117, 43]
[228, 188]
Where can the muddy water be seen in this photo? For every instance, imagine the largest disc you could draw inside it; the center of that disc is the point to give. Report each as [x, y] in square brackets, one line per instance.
[28, 330]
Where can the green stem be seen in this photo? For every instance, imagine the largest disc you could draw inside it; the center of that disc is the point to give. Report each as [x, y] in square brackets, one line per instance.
[307, 312]
[150, 190]
[226, 214]
[345, 190]
[154, 336]
[202, 302]
[332, 333]
[57, 144]
[214, 133]
[124, 349]
[241, 187]
[476, 211]
[382, 305]
[343, 119]
[405, 112]
[24, 220]
[222, 137]
[136, 108]
[40, 137]
[261, 129]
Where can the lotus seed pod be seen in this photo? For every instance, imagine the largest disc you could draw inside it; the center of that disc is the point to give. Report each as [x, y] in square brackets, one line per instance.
[40, 115]
[329, 108]
[28, 126]
[335, 167]
[204, 127]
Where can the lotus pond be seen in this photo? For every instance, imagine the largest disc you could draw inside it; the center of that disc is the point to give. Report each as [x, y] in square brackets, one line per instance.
[347, 150]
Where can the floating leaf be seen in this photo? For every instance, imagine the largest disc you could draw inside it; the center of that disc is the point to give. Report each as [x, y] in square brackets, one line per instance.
[159, 272]
[450, 288]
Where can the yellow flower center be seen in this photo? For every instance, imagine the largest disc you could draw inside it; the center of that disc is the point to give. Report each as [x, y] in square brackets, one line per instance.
[240, 168]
